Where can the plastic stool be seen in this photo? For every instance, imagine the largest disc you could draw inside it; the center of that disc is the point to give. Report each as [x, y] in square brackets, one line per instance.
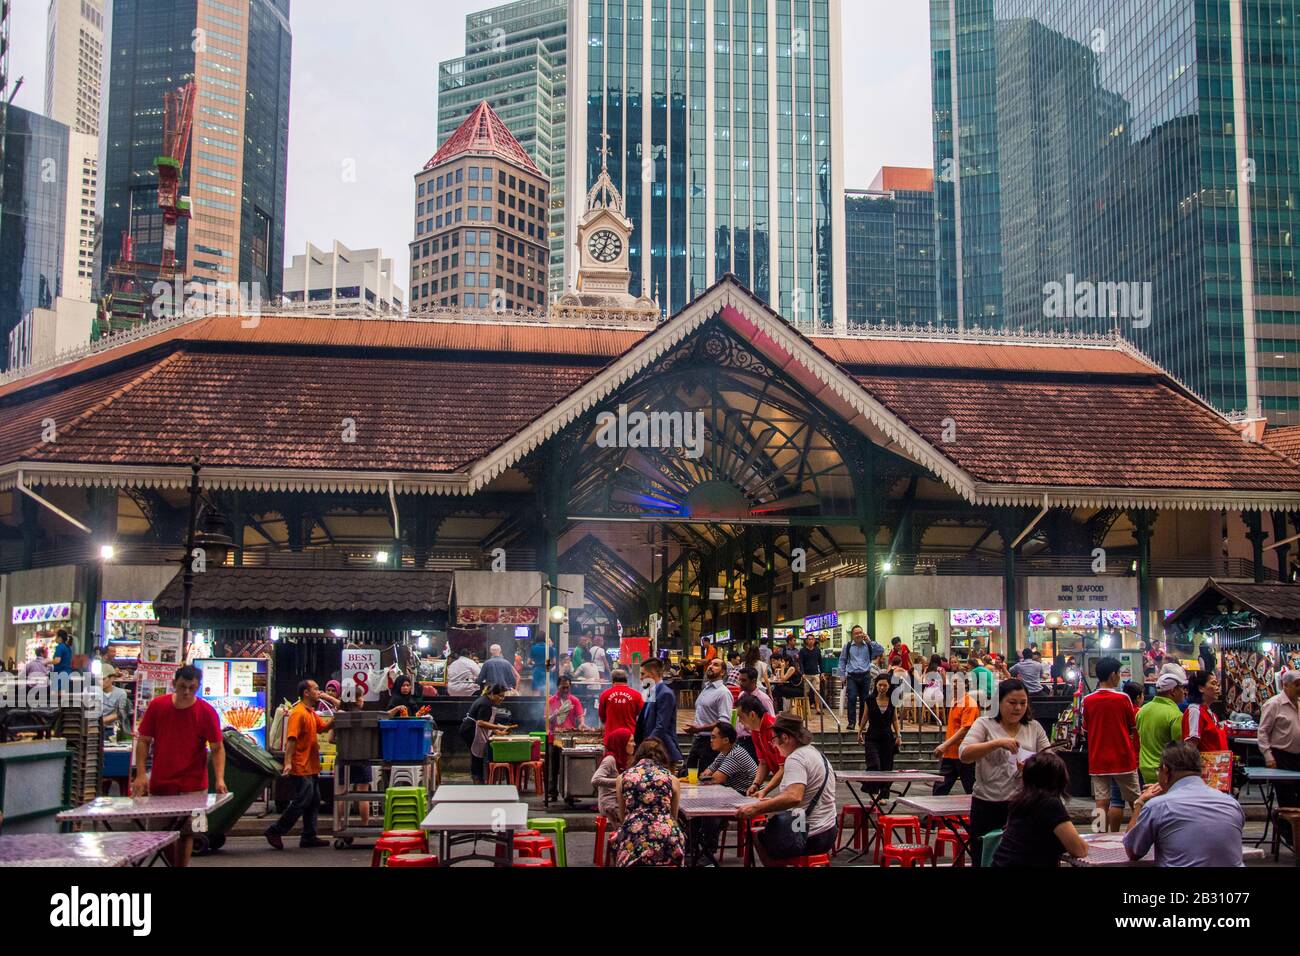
[528, 861]
[907, 854]
[537, 769]
[817, 859]
[859, 818]
[392, 845]
[602, 854]
[946, 838]
[886, 824]
[493, 769]
[536, 845]
[556, 827]
[404, 807]
[411, 861]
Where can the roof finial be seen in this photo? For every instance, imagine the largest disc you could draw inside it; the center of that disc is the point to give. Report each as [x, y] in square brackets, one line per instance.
[604, 150]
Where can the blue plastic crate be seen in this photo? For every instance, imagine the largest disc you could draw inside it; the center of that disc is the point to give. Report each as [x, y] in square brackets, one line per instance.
[406, 739]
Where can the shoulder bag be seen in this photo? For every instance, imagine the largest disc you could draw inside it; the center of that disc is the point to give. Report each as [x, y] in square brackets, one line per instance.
[787, 832]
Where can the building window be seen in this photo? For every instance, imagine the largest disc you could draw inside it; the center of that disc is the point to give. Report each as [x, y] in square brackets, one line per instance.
[487, 174]
[473, 174]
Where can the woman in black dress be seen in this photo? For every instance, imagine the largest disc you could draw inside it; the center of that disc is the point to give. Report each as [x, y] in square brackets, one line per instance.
[880, 732]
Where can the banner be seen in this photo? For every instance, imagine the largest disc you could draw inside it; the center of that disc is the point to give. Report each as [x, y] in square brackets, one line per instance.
[361, 670]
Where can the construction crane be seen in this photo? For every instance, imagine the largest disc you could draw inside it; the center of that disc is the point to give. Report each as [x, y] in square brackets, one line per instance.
[178, 118]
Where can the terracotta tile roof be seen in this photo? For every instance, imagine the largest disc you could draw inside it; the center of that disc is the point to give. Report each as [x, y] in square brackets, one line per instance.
[977, 356]
[483, 133]
[288, 411]
[1142, 434]
[320, 592]
[1285, 440]
[916, 178]
[1279, 602]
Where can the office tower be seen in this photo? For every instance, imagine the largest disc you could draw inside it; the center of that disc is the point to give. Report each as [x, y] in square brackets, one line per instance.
[74, 73]
[342, 279]
[1130, 167]
[480, 222]
[31, 216]
[5, 7]
[238, 54]
[515, 59]
[889, 248]
[723, 125]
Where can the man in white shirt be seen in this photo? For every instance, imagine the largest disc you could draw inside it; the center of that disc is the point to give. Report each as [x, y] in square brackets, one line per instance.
[462, 676]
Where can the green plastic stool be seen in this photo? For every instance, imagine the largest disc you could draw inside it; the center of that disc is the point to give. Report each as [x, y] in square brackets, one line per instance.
[992, 841]
[404, 808]
[554, 825]
[540, 735]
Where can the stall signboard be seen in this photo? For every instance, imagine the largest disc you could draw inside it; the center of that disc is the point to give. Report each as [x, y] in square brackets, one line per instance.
[162, 645]
[633, 650]
[975, 618]
[720, 637]
[1085, 592]
[821, 622]
[41, 613]
[1089, 617]
[717, 594]
[237, 688]
[1216, 769]
[782, 634]
[497, 615]
[129, 611]
[361, 670]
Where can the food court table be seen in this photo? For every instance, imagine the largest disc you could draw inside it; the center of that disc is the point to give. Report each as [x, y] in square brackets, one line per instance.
[474, 793]
[1269, 778]
[947, 811]
[469, 822]
[877, 796]
[1107, 849]
[181, 809]
[714, 800]
[85, 849]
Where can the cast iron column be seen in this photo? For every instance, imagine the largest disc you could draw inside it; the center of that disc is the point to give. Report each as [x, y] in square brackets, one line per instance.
[187, 560]
[1142, 532]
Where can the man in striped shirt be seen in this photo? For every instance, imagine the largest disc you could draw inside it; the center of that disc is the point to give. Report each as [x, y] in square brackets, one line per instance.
[732, 767]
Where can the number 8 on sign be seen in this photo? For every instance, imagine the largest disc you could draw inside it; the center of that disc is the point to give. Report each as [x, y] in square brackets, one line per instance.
[360, 685]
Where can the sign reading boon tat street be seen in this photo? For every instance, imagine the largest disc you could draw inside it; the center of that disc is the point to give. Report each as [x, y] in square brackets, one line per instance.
[1082, 592]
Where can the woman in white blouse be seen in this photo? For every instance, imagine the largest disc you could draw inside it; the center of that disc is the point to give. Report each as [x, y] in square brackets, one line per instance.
[999, 746]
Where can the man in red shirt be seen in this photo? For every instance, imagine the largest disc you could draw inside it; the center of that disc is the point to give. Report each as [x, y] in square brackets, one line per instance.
[1111, 725]
[302, 763]
[1199, 724]
[754, 717]
[619, 705]
[181, 729]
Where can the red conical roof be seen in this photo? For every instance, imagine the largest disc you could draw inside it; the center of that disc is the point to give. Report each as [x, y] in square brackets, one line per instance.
[484, 133]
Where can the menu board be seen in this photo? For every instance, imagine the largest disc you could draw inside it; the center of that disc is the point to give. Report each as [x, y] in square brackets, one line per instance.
[1216, 769]
[991, 617]
[236, 688]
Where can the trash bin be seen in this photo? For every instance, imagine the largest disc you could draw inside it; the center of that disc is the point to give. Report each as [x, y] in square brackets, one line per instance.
[249, 769]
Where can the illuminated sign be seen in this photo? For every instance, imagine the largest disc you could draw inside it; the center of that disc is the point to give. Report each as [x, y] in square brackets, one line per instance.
[975, 618]
[129, 611]
[38, 613]
[1086, 618]
[821, 622]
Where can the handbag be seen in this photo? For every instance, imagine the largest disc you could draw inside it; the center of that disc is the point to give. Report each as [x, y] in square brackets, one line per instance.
[786, 834]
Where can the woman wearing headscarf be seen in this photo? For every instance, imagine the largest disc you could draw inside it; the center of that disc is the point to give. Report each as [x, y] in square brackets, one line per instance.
[618, 752]
[400, 696]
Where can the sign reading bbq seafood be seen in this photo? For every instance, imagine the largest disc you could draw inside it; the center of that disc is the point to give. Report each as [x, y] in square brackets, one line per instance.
[497, 615]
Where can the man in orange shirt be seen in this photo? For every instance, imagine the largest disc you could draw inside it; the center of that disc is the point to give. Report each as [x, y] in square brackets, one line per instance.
[302, 762]
[960, 719]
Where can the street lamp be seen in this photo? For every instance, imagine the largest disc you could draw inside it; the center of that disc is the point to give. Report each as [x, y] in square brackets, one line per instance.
[381, 557]
[106, 552]
[1053, 621]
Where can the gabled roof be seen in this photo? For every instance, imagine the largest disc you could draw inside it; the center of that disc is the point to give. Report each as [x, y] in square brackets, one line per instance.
[1278, 602]
[447, 406]
[1285, 440]
[483, 134]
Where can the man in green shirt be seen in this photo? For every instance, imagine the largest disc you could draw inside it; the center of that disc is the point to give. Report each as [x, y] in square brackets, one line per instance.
[983, 682]
[1160, 721]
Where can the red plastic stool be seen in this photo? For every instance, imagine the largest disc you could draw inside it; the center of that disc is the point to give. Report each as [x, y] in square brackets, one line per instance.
[886, 824]
[602, 855]
[907, 854]
[396, 844]
[945, 838]
[500, 852]
[526, 861]
[410, 861]
[859, 818]
[817, 859]
[536, 768]
[536, 845]
[941, 823]
[508, 768]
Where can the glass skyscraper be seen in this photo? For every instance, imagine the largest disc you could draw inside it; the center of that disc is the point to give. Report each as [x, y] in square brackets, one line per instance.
[31, 217]
[889, 249]
[515, 59]
[722, 119]
[238, 53]
[1113, 153]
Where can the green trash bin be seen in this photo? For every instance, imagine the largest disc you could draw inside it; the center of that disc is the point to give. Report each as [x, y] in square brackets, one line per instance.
[249, 769]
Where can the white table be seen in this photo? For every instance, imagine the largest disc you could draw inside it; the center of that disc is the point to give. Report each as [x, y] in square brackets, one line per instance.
[85, 849]
[1268, 778]
[877, 797]
[474, 793]
[463, 822]
[184, 808]
[946, 810]
[707, 801]
[1107, 849]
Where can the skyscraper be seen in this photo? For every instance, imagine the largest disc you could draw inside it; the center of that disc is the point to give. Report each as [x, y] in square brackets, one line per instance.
[31, 217]
[480, 222]
[74, 73]
[1129, 166]
[723, 126]
[516, 60]
[239, 55]
[889, 248]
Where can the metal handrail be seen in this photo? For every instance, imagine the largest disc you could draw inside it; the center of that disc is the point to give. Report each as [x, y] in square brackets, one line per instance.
[839, 736]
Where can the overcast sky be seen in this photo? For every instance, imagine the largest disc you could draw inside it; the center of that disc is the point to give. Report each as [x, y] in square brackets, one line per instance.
[365, 97]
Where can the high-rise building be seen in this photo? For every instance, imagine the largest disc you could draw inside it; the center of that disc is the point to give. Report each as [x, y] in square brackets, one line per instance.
[480, 222]
[342, 279]
[74, 73]
[238, 55]
[722, 119]
[5, 8]
[515, 59]
[31, 216]
[889, 248]
[1129, 166]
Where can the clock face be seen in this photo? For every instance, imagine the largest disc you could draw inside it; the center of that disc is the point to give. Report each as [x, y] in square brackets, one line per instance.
[604, 246]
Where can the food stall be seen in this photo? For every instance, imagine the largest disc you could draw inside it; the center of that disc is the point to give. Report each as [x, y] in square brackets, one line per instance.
[972, 631]
[38, 625]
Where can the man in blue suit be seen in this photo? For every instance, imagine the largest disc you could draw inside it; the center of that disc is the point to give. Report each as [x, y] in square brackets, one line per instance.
[658, 718]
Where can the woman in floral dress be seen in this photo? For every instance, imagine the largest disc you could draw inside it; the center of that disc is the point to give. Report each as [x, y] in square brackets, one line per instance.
[647, 798]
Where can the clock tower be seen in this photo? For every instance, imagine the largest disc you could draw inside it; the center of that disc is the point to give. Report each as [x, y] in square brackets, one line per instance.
[604, 278]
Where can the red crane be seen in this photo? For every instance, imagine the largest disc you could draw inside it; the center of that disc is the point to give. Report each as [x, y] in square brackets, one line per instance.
[178, 118]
